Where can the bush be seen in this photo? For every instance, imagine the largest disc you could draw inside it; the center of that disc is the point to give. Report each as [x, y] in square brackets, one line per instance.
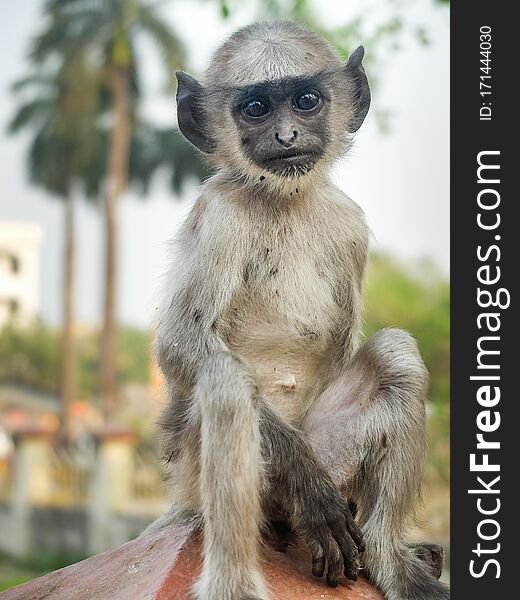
[29, 356]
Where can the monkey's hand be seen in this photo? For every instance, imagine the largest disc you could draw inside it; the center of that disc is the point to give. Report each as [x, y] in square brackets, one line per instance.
[315, 508]
[326, 523]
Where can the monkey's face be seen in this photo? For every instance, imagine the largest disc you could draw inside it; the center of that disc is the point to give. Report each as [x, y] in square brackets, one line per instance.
[275, 105]
[283, 126]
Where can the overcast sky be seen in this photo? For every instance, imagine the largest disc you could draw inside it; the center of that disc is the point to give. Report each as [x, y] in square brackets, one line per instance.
[401, 180]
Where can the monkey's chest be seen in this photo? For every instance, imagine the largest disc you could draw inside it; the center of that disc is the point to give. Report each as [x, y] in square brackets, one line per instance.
[283, 324]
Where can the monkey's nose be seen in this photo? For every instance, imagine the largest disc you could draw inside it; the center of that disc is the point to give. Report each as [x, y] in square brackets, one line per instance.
[286, 139]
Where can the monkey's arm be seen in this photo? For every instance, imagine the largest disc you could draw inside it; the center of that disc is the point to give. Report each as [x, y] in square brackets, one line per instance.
[205, 274]
[202, 280]
[315, 507]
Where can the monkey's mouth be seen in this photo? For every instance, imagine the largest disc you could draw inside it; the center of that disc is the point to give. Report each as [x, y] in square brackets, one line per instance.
[291, 161]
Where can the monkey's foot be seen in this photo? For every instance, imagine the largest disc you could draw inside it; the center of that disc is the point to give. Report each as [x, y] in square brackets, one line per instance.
[432, 555]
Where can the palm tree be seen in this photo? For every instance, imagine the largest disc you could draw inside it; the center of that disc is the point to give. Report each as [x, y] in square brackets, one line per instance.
[67, 154]
[107, 32]
[60, 109]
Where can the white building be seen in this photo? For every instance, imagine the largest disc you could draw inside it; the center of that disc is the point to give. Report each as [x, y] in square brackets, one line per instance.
[19, 271]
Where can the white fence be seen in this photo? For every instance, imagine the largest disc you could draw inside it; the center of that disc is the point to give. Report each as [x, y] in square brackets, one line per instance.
[95, 500]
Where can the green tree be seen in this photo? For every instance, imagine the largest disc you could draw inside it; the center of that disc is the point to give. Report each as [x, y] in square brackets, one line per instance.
[67, 155]
[60, 109]
[107, 31]
[417, 299]
[29, 357]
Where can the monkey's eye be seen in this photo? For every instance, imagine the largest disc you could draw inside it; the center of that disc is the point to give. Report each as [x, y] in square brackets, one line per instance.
[255, 110]
[307, 101]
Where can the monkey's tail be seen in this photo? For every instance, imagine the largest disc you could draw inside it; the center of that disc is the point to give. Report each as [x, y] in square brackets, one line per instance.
[399, 574]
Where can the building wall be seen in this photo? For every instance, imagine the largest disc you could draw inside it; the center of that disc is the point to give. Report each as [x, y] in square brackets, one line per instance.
[19, 271]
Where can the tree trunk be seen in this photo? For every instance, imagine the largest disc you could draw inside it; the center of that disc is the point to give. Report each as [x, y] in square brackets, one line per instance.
[117, 177]
[68, 351]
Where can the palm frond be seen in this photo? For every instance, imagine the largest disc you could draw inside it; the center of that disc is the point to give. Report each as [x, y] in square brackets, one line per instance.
[184, 162]
[154, 149]
[68, 34]
[31, 113]
[34, 80]
[78, 49]
[47, 162]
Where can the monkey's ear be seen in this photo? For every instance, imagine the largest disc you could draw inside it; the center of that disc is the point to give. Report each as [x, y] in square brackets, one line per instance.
[359, 86]
[192, 123]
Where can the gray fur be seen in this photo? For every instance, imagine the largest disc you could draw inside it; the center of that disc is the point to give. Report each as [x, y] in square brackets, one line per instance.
[276, 411]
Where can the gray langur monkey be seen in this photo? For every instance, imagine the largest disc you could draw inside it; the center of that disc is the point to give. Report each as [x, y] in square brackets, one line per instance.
[277, 412]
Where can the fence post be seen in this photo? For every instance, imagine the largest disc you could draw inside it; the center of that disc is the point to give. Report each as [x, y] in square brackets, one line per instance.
[111, 484]
[33, 448]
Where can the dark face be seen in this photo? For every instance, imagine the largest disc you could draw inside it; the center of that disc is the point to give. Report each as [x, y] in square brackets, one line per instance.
[283, 124]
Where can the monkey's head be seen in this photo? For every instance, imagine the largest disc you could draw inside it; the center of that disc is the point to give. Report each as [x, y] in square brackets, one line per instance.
[275, 104]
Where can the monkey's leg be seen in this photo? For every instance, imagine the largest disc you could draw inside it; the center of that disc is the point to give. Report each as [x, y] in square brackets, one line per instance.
[368, 428]
[230, 480]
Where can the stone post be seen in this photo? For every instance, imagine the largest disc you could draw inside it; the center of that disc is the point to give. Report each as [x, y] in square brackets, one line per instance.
[111, 490]
[31, 485]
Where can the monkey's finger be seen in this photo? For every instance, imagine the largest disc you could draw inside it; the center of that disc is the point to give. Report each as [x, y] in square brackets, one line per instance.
[318, 557]
[356, 535]
[318, 564]
[335, 562]
[352, 565]
[354, 530]
[360, 543]
[352, 570]
[350, 555]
